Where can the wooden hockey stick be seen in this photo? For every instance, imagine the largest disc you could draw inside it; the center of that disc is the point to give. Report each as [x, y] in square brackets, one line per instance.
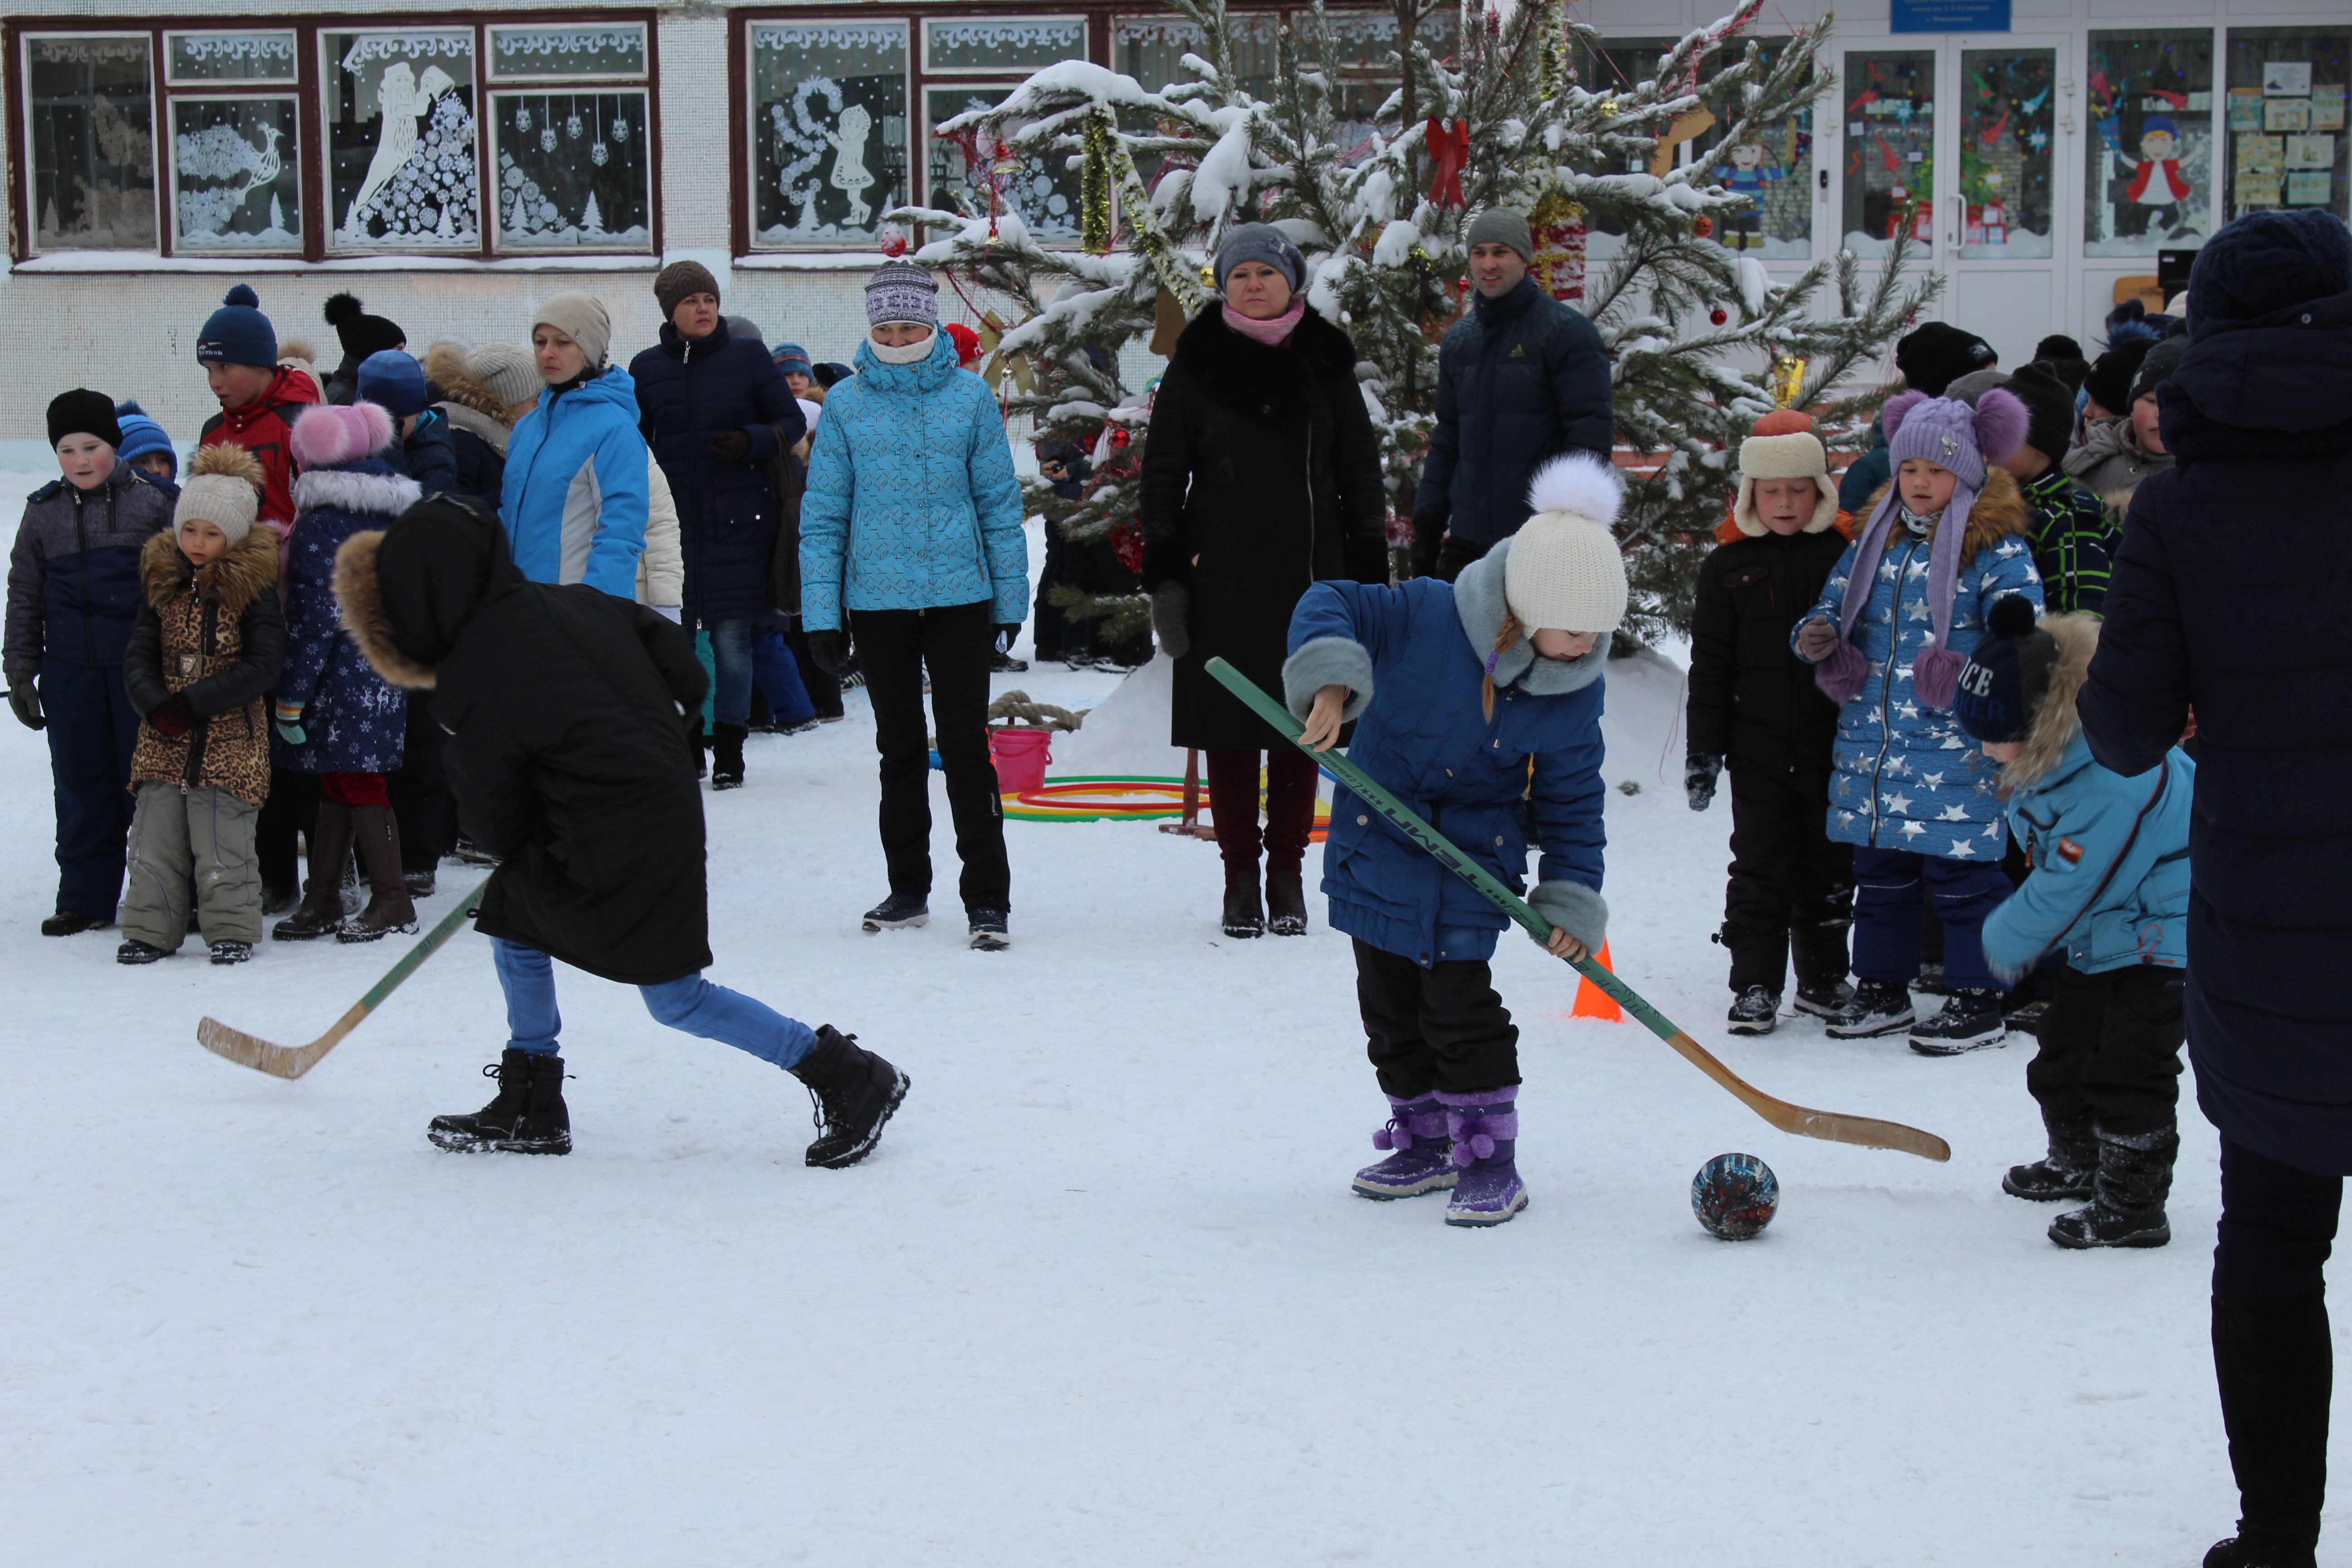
[293, 1061]
[1828, 1125]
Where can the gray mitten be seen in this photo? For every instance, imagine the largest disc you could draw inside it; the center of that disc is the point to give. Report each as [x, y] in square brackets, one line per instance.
[1172, 616]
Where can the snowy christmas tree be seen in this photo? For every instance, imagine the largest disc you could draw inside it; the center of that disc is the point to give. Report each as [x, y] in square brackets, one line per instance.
[1703, 342]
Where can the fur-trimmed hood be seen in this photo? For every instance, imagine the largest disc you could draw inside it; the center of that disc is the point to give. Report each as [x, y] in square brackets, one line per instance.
[1236, 369]
[1478, 602]
[2001, 513]
[2055, 723]
[368, 485]
[466, 400]
[240, 574]
[360, 594]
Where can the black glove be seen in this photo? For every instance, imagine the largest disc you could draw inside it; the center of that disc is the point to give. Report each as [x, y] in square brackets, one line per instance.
[1699, 771]
[1006, 635]
[1426, 538]
[827, 654]
[25, 699]
[731, 446]
[1171, 618]
[174, 717]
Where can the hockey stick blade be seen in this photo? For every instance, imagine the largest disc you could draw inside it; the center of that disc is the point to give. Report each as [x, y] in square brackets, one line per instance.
[1865, 1131]
[293, 1061]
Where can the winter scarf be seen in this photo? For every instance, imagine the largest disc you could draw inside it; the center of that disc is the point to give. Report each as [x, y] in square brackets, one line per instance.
[1948, 433]
[1273, 332]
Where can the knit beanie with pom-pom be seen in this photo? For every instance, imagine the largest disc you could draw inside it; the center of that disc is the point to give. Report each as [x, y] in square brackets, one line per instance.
[238, 333]
[2008, 673]
[223, 489]
[1565, 572]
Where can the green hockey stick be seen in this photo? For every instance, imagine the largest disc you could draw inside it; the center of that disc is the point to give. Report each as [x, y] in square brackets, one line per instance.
[293, 1061]
[1828, 1125]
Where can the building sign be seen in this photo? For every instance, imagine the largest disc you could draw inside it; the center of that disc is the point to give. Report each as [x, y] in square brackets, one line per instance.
[1950, 15]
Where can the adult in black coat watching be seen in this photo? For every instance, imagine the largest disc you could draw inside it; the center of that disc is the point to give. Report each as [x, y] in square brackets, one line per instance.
[2228, 593]
[716, 412]
[570, 766]
[1521, 378]
[1261, 477]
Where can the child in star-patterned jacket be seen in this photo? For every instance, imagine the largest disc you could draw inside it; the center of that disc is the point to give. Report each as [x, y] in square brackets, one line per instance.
[1895, 624]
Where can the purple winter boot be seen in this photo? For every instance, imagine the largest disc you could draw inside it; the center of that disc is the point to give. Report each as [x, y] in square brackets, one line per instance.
[1416, 1130]
[1485, 1131]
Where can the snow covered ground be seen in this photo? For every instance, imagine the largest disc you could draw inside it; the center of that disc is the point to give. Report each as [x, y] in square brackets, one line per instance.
[1102, 1297]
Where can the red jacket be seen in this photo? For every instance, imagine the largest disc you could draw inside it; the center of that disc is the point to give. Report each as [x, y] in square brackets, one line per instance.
[265, 427]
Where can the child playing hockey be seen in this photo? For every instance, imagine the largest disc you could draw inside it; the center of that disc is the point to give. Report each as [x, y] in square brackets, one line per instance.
[1900, 611]
[1754, 705]
[2108, 884]
[568, 758]
[1458, 689]
[203, 655]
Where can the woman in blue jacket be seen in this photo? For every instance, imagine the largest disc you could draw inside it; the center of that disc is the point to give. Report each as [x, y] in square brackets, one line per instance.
[2108, 884]
[912, 521]
[1476, 702]
[574, 497]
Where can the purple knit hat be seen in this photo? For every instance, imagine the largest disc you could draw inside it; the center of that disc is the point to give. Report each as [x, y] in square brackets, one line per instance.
[1950, 433]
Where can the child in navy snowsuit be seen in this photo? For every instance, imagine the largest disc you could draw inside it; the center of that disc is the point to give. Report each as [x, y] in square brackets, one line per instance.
[73, 593]
[1900, 611]
[2106, 885]
[1479, 704]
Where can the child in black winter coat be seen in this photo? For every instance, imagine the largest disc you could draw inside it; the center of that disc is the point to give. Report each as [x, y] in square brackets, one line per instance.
[1754, 706]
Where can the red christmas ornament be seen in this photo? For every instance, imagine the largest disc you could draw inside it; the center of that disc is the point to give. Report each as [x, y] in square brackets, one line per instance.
[1127, 543]
[894, 241]
[1702, 227]
[1119, 437]
[1718, 315]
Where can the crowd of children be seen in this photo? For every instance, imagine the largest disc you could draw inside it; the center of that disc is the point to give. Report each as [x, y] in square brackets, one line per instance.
[1898, 717]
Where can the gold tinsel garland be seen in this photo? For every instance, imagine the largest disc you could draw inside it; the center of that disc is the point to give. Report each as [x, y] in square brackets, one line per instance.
[1095, 183]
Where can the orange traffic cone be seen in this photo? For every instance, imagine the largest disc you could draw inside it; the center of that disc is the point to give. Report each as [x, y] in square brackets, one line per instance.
[1592, 1001]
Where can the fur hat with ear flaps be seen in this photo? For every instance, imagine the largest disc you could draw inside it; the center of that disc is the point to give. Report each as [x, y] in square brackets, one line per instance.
[1565, 572]
[1965, 440]
[1795, 455]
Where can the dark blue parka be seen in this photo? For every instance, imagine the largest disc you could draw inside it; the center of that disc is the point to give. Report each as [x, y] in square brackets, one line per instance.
[1520, 379]
[1413, 658]
[74, 585]
[2227, 595]
[689, 390]
[351, 721]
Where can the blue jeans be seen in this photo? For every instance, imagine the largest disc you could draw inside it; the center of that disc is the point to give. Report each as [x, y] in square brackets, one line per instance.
[731, 670]
[692, 1005]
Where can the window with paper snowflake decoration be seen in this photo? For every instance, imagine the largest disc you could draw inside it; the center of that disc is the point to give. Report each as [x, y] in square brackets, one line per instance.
[431, 199]
[402, 169]
[828, 130]
[572, 173]
[237, 175]
[1028, 184]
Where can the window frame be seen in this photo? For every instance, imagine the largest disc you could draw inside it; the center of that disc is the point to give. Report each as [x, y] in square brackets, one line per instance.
[309, 88]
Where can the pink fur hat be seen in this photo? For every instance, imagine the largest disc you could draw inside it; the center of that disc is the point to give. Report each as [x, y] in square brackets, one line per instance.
[327, 435]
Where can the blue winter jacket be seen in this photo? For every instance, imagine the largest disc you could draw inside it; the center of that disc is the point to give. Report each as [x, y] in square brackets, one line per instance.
[911, 501]
[1412, 658]
[73, 574]
[1906, 775]
[352, 722]
[689, 390]
[575, 498]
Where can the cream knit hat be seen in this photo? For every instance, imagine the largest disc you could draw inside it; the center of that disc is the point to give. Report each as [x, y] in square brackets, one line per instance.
[1564, 571]
[510, 372]
[1795, 456]
[583, 318]
[223, 489]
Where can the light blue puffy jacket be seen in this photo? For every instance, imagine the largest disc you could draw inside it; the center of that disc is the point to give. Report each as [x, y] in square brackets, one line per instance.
[576, 493]
[912, 501]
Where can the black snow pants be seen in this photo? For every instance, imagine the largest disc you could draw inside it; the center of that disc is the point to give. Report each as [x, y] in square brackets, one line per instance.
[1442, 1027]
[2111, 1045]
[1791, 884]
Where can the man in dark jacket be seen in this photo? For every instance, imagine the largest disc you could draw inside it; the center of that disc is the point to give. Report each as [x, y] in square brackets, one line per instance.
[1520, 378]
[570, 766]
[2227, 591]
[716, 411]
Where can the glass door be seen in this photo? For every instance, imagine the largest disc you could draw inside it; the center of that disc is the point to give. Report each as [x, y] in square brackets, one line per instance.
[1996, 192]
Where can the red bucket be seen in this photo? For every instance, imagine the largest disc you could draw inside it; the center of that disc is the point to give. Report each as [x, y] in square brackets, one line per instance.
[1020, 756]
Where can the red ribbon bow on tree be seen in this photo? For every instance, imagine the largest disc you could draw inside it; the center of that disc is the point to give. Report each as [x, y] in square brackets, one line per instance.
[1449, 148]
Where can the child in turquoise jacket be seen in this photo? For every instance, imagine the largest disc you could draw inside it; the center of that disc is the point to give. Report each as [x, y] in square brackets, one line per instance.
[2107, 883]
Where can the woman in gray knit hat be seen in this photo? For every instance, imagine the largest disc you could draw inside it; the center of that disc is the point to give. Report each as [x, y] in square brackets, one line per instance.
[1261, 475]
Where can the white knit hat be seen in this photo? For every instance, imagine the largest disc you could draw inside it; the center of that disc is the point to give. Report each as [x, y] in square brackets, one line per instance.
[1795, 456]
[223, 489]
[1564, 571]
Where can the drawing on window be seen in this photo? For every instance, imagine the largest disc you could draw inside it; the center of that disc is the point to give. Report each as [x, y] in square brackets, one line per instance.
[572, 170]
[2006, 153]
[2151, 150]
[236, 181]
[828, 130]
[410, 178]
[93, 143]
[1772, 168]
[1890, 148]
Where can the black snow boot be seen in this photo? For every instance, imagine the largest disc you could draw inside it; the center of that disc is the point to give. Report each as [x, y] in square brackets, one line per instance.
[1756, 1012]
[727, 756]
[2135, 1177]
[527, 1117]
[1824, 1000]
[2276, 1367]
[1970, 1020]
[1245, 915]
[697, 745]
[137, 951]
[1876, 1007]
[1818, 953]
[73, 922]
[2068, 1170]
[898, 911]
[852, 1093]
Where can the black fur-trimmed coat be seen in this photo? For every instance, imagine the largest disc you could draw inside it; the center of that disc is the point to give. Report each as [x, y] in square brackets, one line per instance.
[1261, 475]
